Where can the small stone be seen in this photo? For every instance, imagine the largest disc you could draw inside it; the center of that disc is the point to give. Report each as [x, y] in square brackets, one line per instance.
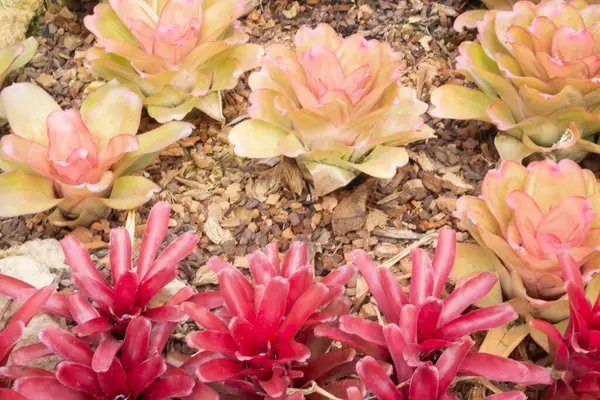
[329, 203]
[72, 42]
[287, 234]
[294, 219]
[293, 11]
[46, 80]
[273, 198]
[446, 204]
[415, 189]
[455, 183]
[386, 250]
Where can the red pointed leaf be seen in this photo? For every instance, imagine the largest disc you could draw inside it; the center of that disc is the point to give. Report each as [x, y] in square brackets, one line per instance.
[261, 268]
[179, 249]
[478, 320]
[443, 260]
[97, 325]
[105, 354]
[212, 341]
[120, 254]
[396, 345]
[153, 283]
[66, 346]
[145, 373]
[424, 383]
[368, 269]
[204, 317]
[81, 309]
[46, 389]
[421, 284]
[272, 309]
[80, 261]
[235, 295]
[295, 258]
[465, 295]
[375, 378]
[135, 344]
[114, 381]
[102, 294]
[78, 377]
[26, 354]
[218, 370]
[28, 309]
[368, 330]
[306, 304]
[154, 234]
[292, 351]
[165, 314]
[175, 386]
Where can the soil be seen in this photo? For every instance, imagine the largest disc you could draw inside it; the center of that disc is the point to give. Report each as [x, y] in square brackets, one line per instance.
[239, 205]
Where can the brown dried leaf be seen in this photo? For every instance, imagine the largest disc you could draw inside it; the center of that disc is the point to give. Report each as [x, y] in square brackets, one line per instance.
[205, 276]
[375, 218]
[351, 213]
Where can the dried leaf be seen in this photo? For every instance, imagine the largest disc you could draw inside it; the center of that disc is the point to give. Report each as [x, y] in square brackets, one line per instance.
[205, 276]
[351, 213]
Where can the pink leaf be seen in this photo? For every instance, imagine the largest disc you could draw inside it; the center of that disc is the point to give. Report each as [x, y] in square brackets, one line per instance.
[105, 354]
[145, 373]
[212, 341]
[175, 386]
[204, 317]
[368, 330]
[421, 284]
[154, 234]
[179, 249]
[306, 304]
[465, 295]
[478, 320]
[135, 344]
[78, 377]
[424, 383]
[443, 260]
[66, 346]
[261, 268]
[120, 253]
[218, 370]
[46, 389]
[296, 257]
[272, 309]
[375, 378]
[79, 259]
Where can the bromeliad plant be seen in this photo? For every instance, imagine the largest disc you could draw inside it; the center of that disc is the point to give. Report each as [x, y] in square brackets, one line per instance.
[130, 290]
[431, 382]
[78, 160]
[334, 104]
[537, 69]
[423, 328]
[526, 217]
[178, 54]
[14, 57]
[130, 369]
[260, 339]
[574, 353]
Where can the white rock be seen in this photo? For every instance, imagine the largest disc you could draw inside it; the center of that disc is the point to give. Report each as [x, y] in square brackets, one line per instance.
[39, 263]
[15, 16]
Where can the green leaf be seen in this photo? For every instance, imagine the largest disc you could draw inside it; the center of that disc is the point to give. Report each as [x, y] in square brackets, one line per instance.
[22, 193]
[130, 192]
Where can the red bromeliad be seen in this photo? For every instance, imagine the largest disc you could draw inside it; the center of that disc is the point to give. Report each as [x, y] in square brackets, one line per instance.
[262, 339]
[575, 354]
[421, 326]
[131, 289]
[130, 369]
